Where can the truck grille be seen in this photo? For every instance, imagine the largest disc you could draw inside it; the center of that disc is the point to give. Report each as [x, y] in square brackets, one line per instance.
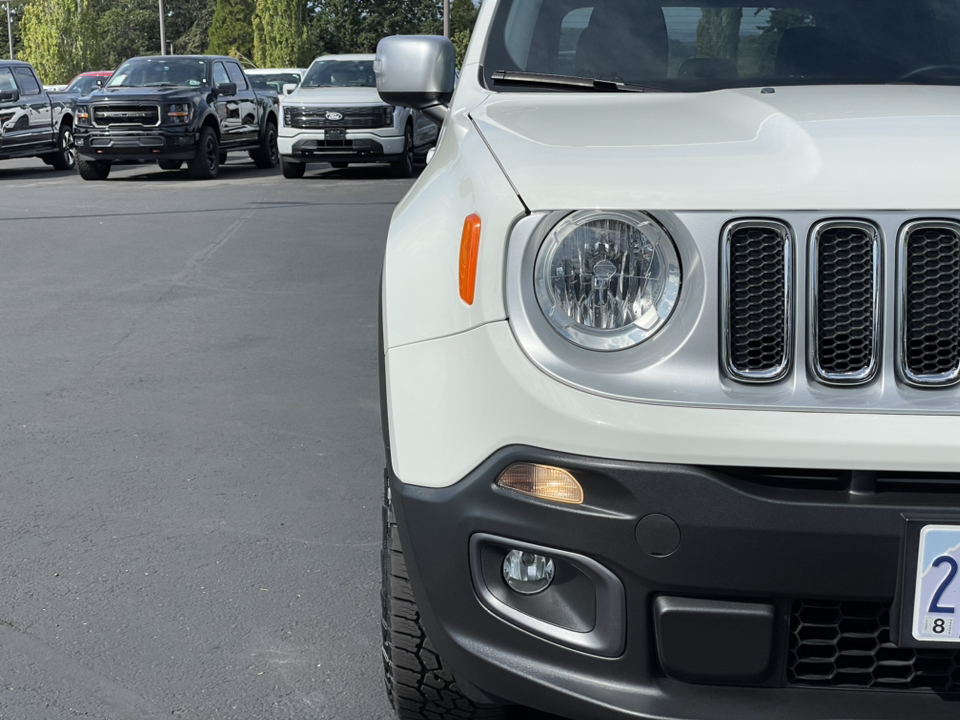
[143, 115]
[845, 283]
[848, 645]
[377, 116]
[930, 303]
[757, 291]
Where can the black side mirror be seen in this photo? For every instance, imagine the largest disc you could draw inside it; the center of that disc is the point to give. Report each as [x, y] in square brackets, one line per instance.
[9, 96]
[227, 89]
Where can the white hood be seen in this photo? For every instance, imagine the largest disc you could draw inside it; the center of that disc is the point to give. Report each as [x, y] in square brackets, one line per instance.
[799, 148]
[333, 96]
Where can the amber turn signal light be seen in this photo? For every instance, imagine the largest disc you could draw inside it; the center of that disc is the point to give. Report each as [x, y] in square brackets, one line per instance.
[542, 481]
[469, 251]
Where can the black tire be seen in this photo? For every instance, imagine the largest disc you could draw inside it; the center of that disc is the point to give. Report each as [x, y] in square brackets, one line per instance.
[267, 155]
[66, 155]
[338, 165]
[93, 169]
[403, 168]
[170, 164]
[418, 684]
[206, 164]
[291, 169]
[223, 158]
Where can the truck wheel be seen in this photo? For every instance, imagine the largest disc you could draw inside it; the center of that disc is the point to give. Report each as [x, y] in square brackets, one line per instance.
[403, 168]
[206, 164]
[66, 155]
[93, 169]
[267, 156]
[418, 684]
[170, 164]
[292, 169]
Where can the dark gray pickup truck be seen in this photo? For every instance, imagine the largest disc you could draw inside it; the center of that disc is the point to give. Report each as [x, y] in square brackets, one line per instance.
[175, 109]
[33, 122]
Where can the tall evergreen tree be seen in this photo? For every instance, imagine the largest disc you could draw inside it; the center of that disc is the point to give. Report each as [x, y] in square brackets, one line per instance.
[280, 33]
[232, 30]
[60, 38]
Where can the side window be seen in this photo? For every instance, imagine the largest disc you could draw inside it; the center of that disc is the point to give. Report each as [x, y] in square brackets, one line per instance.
[571, 28]
[27, 81]
[7, 83]
[220, 74]
[237, 76]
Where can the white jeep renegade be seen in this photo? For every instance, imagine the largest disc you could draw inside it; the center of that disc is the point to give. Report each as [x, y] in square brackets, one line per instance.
[671, 364]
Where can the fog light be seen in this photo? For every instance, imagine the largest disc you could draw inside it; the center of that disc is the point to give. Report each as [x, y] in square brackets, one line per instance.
[547, 483]
[527, 573]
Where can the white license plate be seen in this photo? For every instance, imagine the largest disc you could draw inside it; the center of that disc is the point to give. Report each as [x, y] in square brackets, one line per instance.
[936, 610]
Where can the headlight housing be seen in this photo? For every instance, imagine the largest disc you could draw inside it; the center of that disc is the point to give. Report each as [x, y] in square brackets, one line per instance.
[83, 114]
[607, 280]
[180, 113]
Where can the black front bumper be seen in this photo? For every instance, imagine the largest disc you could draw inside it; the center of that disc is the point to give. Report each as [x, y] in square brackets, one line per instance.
[162, 143]
[347, 150]
[743, 543]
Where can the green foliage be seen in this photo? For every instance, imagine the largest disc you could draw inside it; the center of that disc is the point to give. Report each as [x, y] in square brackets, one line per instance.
[232, 30]
[461, 40]
[718, 33]
[345, 26]
[280, 33]
[60, 38]
[16, 15]
[127, 28]
[463, 16]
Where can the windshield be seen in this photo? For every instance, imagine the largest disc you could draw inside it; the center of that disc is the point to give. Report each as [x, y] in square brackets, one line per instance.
[340, 73]
[159, 72]
[85, 84]
[273, 82]
[676, 45]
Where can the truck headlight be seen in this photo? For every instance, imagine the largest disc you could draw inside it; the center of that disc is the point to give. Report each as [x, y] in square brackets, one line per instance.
[180, 113]
[607, 280]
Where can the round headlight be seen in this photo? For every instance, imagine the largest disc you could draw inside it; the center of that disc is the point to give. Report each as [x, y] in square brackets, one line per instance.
[607, 280]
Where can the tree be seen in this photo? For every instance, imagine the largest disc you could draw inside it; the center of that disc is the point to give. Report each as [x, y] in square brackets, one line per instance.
[127, 28]
[718, 33]
[463, 16]
[16, 14]
[280, 33]
[60, 38]
[232, 30]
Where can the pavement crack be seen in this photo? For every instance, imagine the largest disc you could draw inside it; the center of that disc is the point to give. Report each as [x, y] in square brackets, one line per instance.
[192, 267]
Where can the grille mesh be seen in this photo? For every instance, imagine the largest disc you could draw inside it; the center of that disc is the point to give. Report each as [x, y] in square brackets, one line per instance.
[845, 302]
[356, 117]
[107, 115]
[757, 301]
[847, 645]
[932, 303]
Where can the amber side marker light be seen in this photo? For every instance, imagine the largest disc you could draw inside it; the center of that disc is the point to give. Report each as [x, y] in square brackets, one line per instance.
[469, 251]
[542, 481]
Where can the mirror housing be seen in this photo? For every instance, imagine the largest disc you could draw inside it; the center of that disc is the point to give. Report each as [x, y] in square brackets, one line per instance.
[227, 89]
[10, 96]
[289, 88]
[417, 72]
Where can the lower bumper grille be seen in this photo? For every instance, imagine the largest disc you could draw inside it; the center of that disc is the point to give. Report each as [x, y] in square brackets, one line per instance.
[847, 645]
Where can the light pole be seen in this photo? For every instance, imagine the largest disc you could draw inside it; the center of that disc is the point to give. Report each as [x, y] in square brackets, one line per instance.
[163, 30]
[9, 28]
[446, 18]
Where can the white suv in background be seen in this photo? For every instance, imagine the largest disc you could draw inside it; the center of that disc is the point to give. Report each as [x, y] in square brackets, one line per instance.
[336, 116]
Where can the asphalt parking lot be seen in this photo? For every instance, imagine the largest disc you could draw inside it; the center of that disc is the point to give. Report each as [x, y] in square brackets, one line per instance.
[191, 465]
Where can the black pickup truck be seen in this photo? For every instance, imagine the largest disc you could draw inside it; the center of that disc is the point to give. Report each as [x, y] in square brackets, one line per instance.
[174, 109]
[33, 122]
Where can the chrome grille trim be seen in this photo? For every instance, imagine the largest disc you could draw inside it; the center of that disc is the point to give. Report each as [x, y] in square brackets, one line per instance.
[909, 305]
[779, 303]
[818, 298]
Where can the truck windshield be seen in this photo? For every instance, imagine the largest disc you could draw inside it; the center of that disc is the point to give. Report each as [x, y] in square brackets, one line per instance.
[160, 72]
[273, 82]
[702, 45]
[340, 73]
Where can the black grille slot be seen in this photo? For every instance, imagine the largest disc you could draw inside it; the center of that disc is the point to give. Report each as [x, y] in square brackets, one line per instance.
[107, 115]
[757, 301]
[930, 326]
[847, 645]
[378, 116]
[846, 292]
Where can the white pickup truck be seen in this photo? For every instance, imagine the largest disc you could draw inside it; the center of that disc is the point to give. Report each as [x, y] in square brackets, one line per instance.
[671, 364]
[335, 116]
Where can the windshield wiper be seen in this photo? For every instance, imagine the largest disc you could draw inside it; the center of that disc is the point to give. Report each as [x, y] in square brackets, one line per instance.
[530, 79]
[159, 84]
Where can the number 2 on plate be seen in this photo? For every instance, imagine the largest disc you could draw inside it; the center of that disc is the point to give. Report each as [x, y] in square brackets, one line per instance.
[951, 576]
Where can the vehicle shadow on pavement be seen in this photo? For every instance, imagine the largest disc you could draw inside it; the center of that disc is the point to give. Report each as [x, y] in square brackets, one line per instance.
[40, 172]
[354, 172]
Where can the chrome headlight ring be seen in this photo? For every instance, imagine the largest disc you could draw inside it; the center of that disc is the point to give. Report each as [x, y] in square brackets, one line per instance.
[607, 280]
